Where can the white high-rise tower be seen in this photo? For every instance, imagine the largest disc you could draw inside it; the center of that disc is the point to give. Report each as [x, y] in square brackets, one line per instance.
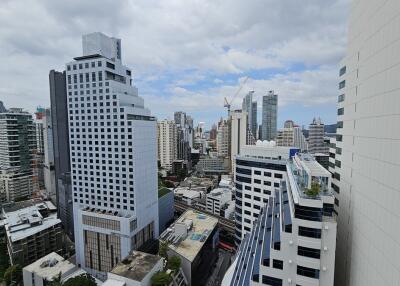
[113, 147]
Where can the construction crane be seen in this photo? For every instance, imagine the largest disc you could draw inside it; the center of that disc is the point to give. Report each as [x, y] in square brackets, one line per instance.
[227, 103]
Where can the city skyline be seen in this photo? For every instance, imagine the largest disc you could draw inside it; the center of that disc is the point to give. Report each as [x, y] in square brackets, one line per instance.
[192, 71]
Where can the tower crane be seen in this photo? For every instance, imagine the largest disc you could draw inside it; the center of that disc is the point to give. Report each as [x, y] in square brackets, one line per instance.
[227, 103]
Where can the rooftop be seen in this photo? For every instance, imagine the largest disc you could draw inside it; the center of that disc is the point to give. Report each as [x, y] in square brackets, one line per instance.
[219, 192]
[136, 266]
[28, 218]
[50, 266]
[189, 233]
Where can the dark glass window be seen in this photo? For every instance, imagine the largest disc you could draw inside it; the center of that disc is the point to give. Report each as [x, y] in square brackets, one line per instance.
[309, 232]
[308, 272]
[309, 252]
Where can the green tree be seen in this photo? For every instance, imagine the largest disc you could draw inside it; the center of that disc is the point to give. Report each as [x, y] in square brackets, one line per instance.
[163, 249]
[161, 279]
[174, 262]
[81, 280]
[13, 274]
[314, 191]
[56, 281]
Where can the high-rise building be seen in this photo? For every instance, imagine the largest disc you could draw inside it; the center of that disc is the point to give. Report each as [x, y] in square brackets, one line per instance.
[250, 108]
[223, 138]
[17, 151]
[213, 132]
[269, 116]
[48, 164]
[291, 136]
[61, 150]
[38, 158]
[185, 136]
[2, 107]
[293, 240]
[113, 147]
[259, 171]
[316, 137]
[238, 133]
[167, 143]
[368, 136]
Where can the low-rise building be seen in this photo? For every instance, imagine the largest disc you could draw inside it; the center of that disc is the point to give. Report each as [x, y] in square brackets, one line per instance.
[187, 195]
[46, 269]
[135, 270]
[32, 230]
[212, 166]
[194, 239]
[217, 199]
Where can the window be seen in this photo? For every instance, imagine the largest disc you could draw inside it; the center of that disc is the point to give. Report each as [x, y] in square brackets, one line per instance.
[309, 232]
[342, 71]
[341, 98]
[267, 174]
[267, 183]
[256, 181]
[340, 111]
[339, 138]
[339, 124]
[277, 264]
[309, 252]
[279, 176]
[338, 150]
[257, 172]
[308, 272]
[342, 84]
[268, 280]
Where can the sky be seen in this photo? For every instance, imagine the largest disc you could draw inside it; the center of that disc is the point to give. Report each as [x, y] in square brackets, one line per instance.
[185, 55]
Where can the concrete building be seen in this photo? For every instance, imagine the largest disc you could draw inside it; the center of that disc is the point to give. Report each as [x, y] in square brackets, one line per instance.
[113, 147]
[368, 136]
[259, 172]
[212, 166]
[217, 201]
[135, 270]
[167, 143]
[194, 239]
[293, 241]
[2, 107]
[250, 108]
[185, 135]
[269, 116]
[238, 121]
[47, 268]
[61, 150]
[316, 137]
[17, 151]
[291, 136]
[223, 138]
[38, 156]
[48, 164]
[32, 230]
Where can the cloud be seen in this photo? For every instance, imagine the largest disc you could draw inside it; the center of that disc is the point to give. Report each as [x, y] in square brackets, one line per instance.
[202, 47]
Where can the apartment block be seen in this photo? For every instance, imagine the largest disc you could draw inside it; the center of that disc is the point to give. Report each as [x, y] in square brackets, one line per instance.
[293, 240]
[167, 143]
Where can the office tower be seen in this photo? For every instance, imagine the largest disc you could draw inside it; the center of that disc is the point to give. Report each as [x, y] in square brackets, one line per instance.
[213, 132]
[259, 171]
[113, 147]
[250, 108]
[48, 164]
[269, 116]
[180, 118]
[238, 133]
[167, 143]
[2, 107]
[316, 137]
[294, 238]
[17, 151]
[368, 134]
[291, 136]
[38, 158]
[62, 166]
[223, 138]
[185, 133]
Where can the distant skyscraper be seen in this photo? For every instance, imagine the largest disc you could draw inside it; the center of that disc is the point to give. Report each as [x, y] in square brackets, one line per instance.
[291, 136]
[368, 138]
[239, 133]
[48, 163]
[223, 138]
[167, 143]
[2, 107]
[185, 135]
[250, 108]
[61, 150]
[316, 137]
[17, 151]
[213, 132]
[269, 116]
[113, 145]
[38, 158]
